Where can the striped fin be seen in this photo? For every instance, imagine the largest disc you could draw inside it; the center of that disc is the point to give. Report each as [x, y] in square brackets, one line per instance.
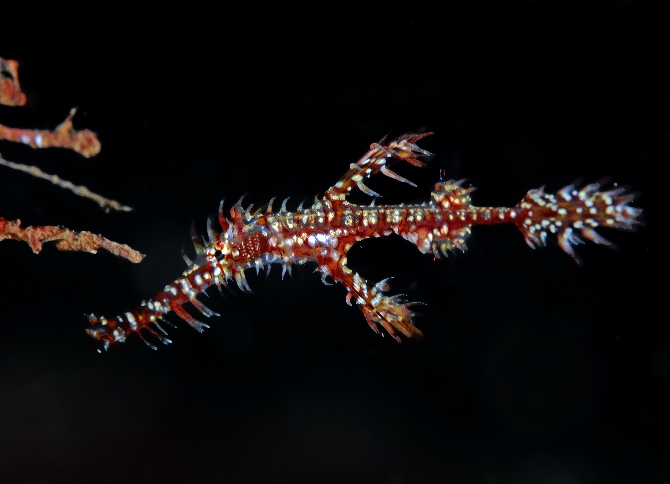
[571, 212]
[375, 161]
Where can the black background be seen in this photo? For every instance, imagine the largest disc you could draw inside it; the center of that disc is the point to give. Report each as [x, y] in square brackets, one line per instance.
[534, 370]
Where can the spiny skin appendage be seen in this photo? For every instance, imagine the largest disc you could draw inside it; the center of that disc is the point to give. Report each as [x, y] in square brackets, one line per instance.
[325, 232]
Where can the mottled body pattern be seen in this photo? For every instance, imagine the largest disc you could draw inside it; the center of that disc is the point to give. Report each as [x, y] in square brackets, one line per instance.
[325, 232]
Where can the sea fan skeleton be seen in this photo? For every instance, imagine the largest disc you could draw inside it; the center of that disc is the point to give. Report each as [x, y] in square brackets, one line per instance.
[326, 231]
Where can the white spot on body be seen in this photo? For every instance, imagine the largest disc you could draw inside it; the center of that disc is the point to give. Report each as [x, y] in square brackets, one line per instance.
[131, 320]
[185, 285]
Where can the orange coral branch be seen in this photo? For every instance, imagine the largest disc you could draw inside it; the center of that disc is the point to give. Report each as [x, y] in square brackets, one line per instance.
[65, 239]
[80, 190]
[10, 90]
[84, 142]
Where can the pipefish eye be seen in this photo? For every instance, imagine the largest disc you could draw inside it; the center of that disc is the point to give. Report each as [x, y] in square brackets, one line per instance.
[218, 254]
